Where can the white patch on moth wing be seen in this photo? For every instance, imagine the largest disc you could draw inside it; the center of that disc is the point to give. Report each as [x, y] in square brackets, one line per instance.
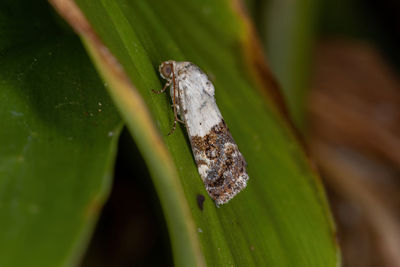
[201, 157]
[197, 101]
[203, 169]
[232, 146]
[204, 166]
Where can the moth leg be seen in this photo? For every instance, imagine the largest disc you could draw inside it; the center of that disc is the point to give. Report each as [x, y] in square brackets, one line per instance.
[179, 120]
[176, 119]
[178, 114]
[163, 89]
[178, 110]
[173, 128]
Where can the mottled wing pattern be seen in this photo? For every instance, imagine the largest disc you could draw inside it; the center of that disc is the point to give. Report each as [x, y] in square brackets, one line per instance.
[221, 166]
[220, 163]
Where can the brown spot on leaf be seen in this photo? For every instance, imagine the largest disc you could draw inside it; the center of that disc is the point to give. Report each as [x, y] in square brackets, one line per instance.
[200, 201]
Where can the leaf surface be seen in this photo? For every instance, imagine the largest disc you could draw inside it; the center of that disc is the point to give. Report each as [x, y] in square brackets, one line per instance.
[58, 134]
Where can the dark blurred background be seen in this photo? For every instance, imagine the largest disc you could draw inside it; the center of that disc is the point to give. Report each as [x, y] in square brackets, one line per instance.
[342, 87]
[131, 230]
[337, 62]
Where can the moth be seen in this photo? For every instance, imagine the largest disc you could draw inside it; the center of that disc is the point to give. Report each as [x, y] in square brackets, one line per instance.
[220, 164]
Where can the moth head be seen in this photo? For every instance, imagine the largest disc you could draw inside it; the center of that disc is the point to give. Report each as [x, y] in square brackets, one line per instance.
[166, 69]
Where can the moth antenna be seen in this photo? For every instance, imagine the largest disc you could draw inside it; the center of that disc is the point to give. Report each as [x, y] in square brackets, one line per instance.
[174, 102]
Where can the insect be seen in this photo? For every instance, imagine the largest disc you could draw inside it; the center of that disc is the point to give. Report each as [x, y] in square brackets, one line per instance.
[220, 164]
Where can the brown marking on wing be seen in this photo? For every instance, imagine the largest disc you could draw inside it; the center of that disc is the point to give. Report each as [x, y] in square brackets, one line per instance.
[226, 175]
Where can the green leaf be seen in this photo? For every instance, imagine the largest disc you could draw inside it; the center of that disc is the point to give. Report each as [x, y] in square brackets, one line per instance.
[58, 134]
[288, 32]
[281, 218]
